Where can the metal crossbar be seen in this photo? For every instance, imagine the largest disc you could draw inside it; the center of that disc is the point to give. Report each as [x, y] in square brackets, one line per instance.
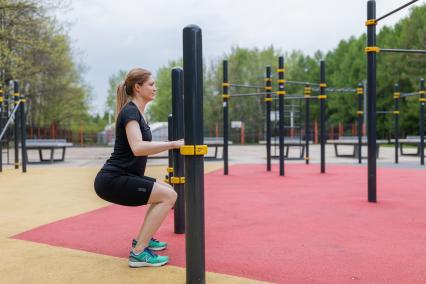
[396, 10]
[301, 83]
[403, 95]
[246, 86]
[336, 90]
[402, 50]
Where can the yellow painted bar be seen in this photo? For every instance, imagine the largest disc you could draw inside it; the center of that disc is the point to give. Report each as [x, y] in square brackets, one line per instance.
[177, 180]
[193, 150]
[371, 22]
[372, 49]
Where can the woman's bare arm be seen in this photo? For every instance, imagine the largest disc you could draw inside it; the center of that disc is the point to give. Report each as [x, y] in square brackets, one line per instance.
[145, 148]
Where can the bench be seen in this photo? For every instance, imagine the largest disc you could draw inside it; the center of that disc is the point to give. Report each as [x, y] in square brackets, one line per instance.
[289, 142]
[47, 144]
[353, 141]
[410, 140]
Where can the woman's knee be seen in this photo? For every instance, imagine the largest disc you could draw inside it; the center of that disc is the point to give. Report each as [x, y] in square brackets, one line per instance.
[163, 193]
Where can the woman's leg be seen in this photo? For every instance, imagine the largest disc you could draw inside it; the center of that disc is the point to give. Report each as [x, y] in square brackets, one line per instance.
[162, 199]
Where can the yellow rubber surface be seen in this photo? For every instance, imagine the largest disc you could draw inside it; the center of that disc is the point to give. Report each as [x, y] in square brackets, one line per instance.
[45, 195]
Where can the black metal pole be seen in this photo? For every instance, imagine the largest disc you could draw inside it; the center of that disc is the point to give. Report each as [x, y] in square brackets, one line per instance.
[360, 93]
[268, 100]
[225, 97]
[23, 134]
[16, 126]
[281, 94]
[170, 152]
[396, 97]
[307, 96]
[194, 164]
[371, 100]
[322, 98]
[178, 170]
[422, 101]
[1, 126]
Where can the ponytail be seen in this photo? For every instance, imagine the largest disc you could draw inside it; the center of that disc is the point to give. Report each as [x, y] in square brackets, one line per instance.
[121, 99]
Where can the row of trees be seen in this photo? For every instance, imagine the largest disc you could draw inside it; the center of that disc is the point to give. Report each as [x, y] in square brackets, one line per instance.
[345, 67]
[36, 51]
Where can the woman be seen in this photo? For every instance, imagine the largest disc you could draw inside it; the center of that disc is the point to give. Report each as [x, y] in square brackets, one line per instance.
[122, 181]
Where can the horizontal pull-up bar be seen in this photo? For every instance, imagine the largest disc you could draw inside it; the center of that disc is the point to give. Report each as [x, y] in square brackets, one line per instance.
[302, 83]
[246, 86]
[403, 95]
[396, 10]
[250, 94]
[385, 112]
[286, 97]
[402, 50]
[337, 90]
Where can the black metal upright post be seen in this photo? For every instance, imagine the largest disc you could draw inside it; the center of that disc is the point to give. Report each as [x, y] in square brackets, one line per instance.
[16, 121]
[194, 153]
[322, 97]
[178, 170]
[307, 96]
[1, 126]
[281, 94]
[268, 101]
[422, 101]
[396, 113]
[23, 134]
[170, 152]
[225, 97]
[360, 113]
[371, 50]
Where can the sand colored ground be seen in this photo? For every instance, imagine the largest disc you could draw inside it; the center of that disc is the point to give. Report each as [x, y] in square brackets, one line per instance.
[45, 195]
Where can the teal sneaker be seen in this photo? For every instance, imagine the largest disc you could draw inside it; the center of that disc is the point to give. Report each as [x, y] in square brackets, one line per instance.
[153, 244]
[147, 258]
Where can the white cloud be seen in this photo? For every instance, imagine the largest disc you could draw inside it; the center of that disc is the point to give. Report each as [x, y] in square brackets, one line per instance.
[122, 34]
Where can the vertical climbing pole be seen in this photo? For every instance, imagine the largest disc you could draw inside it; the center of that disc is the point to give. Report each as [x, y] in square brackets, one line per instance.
[307, 96]
[396, 113]
[178, 179]
[194, 153]
[225, 98]
[322, 97]
[16, 99]
[371, 50]
[360, 121]
[281, 93]
[268, 101]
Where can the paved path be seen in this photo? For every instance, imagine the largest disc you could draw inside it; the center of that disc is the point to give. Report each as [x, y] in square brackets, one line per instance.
[96, 156]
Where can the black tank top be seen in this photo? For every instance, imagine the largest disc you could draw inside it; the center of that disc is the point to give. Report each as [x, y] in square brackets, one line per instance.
[122, 159]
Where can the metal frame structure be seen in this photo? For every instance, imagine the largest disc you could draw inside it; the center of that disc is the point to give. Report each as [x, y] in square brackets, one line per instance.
[372, 49]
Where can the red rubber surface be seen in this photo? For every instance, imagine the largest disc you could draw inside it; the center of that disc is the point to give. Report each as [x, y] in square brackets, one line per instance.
[303, 228]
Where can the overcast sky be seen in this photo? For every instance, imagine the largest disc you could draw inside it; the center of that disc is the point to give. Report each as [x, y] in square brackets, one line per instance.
[109, 35]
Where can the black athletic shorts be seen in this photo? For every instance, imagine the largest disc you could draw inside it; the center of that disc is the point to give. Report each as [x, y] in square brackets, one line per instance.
[123, 189]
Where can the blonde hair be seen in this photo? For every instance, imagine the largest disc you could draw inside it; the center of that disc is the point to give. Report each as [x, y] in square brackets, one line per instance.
[125, 89]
